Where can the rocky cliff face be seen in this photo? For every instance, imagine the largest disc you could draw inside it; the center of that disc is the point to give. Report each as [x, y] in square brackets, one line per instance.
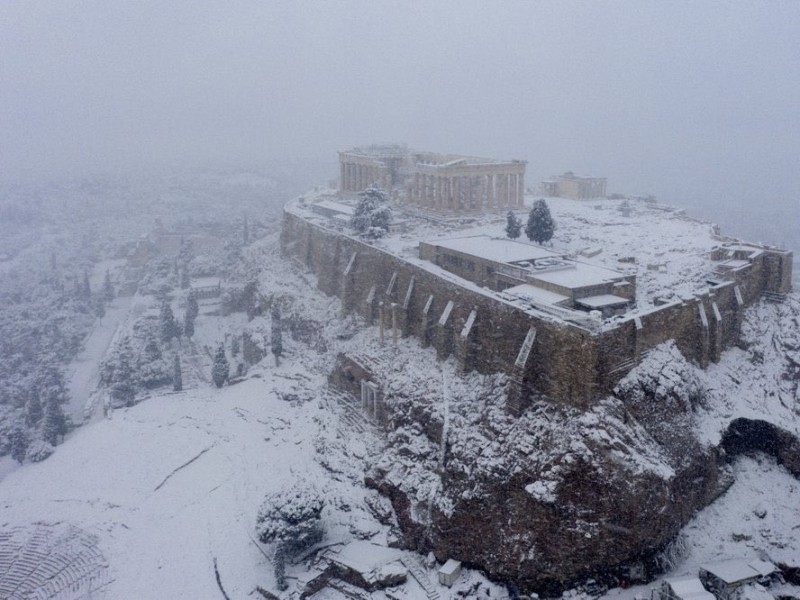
[558, 495]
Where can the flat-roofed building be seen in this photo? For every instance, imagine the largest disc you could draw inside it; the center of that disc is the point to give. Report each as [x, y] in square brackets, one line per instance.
[532, 273]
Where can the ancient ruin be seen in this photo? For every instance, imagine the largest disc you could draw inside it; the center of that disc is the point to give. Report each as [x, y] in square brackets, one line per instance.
[444, 183]
[572, 186]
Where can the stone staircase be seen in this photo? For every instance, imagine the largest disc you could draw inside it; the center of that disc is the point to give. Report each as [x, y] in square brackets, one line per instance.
[774, 297]
[417, 573]
[351, 417]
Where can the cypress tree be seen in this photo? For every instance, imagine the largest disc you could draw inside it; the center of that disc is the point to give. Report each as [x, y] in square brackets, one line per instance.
[108, 288]
[276, 335]
[220, 370]
[19, 443]
[177, 377]
[55, 423]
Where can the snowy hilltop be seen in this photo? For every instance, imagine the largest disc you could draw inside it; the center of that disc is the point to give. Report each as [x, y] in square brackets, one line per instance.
[242, 457]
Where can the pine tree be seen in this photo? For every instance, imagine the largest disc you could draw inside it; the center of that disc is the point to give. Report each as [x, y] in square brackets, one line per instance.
[540, 226]
[513, 225]
[152, 352]
[33, 409]
[108, 288]
[192, 307]
[19, 443]
[169, 327]
[291, 518]
[177, 376]
[185, 278]
[220, 370]
[276, 336]
[188, 327]
[123, 386]
[372, 214]
[55, 423]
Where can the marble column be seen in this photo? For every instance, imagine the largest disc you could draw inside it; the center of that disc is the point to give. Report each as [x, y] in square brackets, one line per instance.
[521, 188]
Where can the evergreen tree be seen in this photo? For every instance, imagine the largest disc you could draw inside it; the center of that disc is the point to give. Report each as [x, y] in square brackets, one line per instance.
[513, 225]
[276, 336]
[108, 288]
[245, 232]
[192, 307]
[169, 327]
[177, 376]
[291, 518]
[86, 290]
[19, 443]
[184, 278]
[372, 214]
[220, 370]
[55, 423]
[123, 386]
[152, 351]
[33, 409]
[541, 226]
[188, 327]
[235, 346]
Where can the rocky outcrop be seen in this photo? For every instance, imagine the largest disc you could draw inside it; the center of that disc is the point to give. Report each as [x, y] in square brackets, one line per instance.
[557, 495]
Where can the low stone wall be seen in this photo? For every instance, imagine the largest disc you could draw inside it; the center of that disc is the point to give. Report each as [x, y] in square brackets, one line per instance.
[561, 360]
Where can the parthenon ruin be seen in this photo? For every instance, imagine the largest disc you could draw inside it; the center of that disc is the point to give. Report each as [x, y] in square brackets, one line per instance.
[437, 182]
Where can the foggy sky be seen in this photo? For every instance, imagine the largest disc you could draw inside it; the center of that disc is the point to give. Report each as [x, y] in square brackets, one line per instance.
[686, 100]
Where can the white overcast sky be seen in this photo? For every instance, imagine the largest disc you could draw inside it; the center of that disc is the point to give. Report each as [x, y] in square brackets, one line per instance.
[675, 98]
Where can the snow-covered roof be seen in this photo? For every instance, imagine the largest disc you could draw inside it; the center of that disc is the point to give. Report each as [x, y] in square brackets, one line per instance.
[450, 567]
[203, 282]
[532, 293]
[739, 569]
[581, 275]
[344, 209]
[496, 249]
[689, 588]
[363, 556]
[602, 300]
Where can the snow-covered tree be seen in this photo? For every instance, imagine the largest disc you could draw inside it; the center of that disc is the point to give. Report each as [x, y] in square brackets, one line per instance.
[513, 225]
[292, 519]
[245, 232]
[276, 335]
[169, 326]
[540, 226]
[33, 410]
[235, 346]
[108, 288]
[220, 370]
[192, 306]
[372, 214]
[184, 278]
[55, 422]
[177, 376]
[188, 327]
[123, 381]
[19, 443]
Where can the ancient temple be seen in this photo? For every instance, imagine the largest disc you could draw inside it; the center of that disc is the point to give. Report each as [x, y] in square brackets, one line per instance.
[444, 183]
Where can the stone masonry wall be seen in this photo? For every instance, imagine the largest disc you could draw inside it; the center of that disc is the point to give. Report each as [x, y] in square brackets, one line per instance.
[565, 362]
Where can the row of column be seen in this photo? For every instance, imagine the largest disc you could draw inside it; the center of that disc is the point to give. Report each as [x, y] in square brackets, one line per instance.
[355, 177]
[467, 192]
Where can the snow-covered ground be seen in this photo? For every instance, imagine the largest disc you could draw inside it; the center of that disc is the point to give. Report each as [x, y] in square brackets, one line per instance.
[164, 492]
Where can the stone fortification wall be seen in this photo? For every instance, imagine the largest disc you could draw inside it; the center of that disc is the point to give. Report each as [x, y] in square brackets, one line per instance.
[483, 333]
[541, 355]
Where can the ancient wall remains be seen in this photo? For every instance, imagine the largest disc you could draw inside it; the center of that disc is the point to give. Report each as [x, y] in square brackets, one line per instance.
[541, 355]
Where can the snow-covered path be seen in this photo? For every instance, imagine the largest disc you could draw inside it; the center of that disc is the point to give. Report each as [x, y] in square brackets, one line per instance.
[84, 370]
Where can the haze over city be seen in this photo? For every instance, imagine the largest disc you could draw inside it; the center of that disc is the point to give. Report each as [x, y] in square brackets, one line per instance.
[693, 102]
